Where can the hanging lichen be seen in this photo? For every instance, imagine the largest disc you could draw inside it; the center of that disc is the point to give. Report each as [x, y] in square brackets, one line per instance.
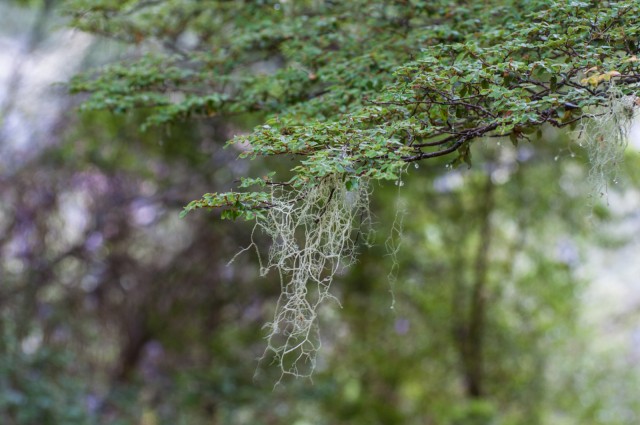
[606, 136]
[313, 231]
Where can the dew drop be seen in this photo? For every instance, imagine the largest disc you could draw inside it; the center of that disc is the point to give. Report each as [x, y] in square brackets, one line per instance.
[416, 166]
[555, 158]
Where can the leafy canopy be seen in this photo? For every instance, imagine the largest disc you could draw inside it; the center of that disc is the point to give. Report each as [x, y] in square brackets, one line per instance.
[361, 88]
[355, 91]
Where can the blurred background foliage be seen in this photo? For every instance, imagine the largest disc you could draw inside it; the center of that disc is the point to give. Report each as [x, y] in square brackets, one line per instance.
[115, 311]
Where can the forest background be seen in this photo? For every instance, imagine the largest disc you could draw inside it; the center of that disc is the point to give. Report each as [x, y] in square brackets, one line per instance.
[114, 310]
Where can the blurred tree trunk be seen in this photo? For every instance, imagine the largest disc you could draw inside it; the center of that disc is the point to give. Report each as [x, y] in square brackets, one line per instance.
[470, 324]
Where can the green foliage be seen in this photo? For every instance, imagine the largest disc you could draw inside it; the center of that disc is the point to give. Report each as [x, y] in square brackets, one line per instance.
[246, 204]
[33, 386]
[116, 312]
[362, 88]
[354, 92]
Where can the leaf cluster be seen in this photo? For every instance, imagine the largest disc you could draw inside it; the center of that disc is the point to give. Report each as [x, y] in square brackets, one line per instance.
[362, 88]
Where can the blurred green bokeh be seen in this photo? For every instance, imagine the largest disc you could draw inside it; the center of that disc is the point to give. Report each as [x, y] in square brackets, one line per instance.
[115, 311]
